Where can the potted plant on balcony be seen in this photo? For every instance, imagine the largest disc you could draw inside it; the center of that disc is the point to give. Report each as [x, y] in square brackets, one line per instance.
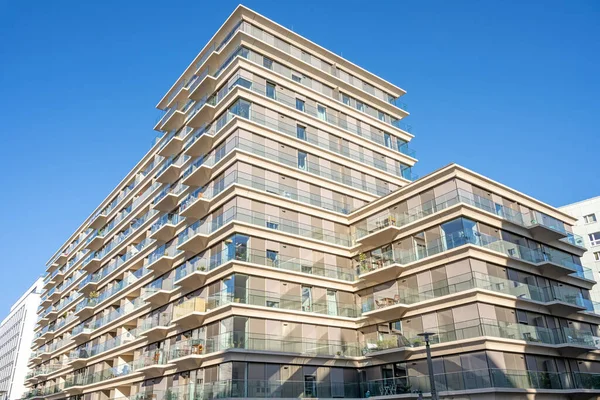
[94, 294]
[362, 261]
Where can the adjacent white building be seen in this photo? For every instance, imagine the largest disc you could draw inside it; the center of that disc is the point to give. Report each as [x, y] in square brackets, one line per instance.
[16, 335]
[587, 213]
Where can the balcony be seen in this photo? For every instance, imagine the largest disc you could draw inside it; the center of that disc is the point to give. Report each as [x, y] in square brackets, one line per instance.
[92, 262]
[170, 171]
[158, 292]
[156, 327]
[190, 313]
[191, 275]
[195, 237]
[543, 227]
[81, 333]
[386, 232]
[200, 142]
[162, 259]
[172, 119]
[85, 308]
[187, 354]
[199, 172]
[169, 197]
[173, 142]
[151, 363]
[80, 356]
[96, 240]
[196, 204]
[164, 229]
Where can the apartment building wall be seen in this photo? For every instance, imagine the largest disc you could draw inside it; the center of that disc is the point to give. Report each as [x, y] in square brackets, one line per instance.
[16, 334]
[587, 213]
[274, 243]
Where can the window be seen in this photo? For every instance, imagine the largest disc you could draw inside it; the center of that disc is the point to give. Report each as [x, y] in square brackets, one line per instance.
[267, 63]
[270, 90]
[331, 302]
[594, 238]
[299, 104]
[381, 116]
[588, 219]
[360, 106]
[302, 164]
[306, 298]
[301, 132]
[345, 99]
[272, 225]
[388, 140]
[597, 255]
[322, 112]
[401, 144]
[273, 257]
[296, 78]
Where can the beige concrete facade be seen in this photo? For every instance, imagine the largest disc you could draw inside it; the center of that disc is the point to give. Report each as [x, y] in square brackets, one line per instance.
[275, 243]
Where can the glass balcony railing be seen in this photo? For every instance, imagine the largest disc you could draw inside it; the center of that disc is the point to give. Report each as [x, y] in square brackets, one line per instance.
[485, 327]
[291, 130]
[472, 280]
[112, 289]
[166, 250]
[444, 201]
[262, 342]
[95, 323]
[268, 299]
[175, 189]
[204, 227]
[461, 238]
[162, 319]
[114, 264]
[323, 115]
[44, 370]
[204, 263]
[88, 350]
[484, 379]
[121, 237]
[158, 285]
[167, 219]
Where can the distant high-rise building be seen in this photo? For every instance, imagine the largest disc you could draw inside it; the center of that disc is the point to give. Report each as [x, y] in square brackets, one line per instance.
[274, 243]
[16, 334]
[587, 213]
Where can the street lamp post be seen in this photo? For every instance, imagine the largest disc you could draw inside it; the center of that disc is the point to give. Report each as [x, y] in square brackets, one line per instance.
[426, 336]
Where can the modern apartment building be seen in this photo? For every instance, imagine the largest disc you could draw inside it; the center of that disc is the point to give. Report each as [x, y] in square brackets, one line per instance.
[275, 243]
[16, 334]
[587, 227]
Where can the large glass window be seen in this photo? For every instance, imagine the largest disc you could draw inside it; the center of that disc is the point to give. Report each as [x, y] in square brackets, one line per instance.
[331, 302]
[301, 132]
[322, 112]
[306, 298]
[300, 105]
[594, 238]
[387, 140]
[241, 108]
[273, 258]
[270, 90]
[302, 161]
[267, 63]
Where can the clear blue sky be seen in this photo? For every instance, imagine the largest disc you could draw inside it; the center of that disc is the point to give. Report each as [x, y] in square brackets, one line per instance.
[508, 89]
